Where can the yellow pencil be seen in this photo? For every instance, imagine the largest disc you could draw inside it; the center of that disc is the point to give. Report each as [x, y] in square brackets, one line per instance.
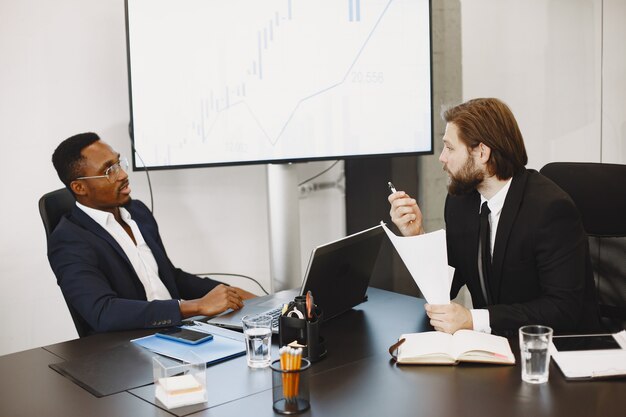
[298, 364]
[283, 365]
[292, 365]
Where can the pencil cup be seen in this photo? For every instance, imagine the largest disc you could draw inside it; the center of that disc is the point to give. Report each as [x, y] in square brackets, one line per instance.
[305, 332]
[290, 388]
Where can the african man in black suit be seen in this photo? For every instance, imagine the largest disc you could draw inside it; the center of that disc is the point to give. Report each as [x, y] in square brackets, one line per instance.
[108, 256]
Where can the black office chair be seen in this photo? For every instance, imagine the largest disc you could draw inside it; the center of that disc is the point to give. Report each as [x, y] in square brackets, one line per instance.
[53, 206]
[599, 192]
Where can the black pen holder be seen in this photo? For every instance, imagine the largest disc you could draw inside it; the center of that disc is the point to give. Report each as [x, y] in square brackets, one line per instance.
[305, 333]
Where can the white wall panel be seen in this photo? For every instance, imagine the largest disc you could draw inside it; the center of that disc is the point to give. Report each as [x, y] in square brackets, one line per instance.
[614, 83]
[542, 57]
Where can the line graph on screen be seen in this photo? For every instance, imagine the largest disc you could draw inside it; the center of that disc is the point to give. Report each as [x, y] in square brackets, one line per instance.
[238, 81]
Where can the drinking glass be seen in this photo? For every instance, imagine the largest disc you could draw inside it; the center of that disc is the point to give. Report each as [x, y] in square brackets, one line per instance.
[257, 329]
[534, 344]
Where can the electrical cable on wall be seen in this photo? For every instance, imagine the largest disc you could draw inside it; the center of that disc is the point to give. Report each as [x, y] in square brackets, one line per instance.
[320, 173]
[132, 147]
[234, 275]
[306, 187]
[149, 182]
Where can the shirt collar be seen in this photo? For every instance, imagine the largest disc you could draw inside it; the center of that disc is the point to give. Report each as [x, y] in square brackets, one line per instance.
[103, 217]
[496, 203]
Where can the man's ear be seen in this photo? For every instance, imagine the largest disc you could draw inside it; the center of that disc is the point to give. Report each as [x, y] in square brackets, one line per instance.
[484, 153]
[78, 188]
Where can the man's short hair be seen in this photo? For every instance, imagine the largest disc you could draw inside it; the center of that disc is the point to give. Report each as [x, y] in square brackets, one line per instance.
[67, 158]
[490, 121]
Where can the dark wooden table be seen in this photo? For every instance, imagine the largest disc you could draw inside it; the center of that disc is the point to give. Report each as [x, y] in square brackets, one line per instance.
[355, 379]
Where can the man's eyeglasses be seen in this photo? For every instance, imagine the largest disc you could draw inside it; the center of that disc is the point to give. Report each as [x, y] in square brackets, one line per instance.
[112, 172]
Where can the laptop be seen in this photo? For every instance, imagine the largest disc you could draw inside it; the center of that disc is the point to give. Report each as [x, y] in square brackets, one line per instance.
[337, 275]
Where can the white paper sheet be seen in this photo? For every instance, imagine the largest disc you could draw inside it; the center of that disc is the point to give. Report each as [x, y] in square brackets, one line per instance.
[426, 258]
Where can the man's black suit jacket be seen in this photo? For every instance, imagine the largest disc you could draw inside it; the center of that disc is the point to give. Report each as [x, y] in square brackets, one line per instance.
[541, 266]
[101, 285]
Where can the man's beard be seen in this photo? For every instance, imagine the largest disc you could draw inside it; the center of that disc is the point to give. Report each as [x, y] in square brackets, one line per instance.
[466, 180]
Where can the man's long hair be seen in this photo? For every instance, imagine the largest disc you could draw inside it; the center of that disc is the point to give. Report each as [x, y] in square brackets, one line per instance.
[490, 121]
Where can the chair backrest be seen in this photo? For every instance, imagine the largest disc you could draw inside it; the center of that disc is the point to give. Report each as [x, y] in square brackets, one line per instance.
[53, 206]
[599, 192]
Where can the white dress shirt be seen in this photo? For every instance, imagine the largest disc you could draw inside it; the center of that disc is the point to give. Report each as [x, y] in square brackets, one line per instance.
[139, 255]
[480, 317]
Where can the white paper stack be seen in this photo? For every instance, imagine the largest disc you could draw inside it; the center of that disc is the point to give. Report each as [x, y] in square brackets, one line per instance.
[177, 391]
[426, 258]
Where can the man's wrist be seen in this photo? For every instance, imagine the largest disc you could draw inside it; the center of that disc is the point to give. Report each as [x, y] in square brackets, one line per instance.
[188, 308]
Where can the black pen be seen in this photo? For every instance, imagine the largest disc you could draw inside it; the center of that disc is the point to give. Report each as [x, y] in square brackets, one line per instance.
[393, 190]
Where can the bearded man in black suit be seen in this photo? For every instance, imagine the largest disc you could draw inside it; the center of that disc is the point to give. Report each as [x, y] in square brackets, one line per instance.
[514, 237]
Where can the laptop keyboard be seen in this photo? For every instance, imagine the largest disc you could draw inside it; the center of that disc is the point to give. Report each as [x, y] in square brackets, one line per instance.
[275, 313]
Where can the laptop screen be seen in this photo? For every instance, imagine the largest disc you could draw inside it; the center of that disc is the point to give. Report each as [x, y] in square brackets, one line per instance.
[339, 272]
[338, 275]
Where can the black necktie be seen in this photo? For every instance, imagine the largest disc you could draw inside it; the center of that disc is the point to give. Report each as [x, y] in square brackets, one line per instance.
[485, 249]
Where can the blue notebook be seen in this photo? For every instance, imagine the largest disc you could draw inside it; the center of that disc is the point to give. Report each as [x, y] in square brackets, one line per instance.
[224, 345]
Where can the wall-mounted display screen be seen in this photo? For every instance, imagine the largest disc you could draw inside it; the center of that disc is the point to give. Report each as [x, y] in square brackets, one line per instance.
[216, 82]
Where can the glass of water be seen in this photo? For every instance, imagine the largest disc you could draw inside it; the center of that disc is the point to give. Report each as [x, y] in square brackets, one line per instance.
[257, 329]
[534, 344]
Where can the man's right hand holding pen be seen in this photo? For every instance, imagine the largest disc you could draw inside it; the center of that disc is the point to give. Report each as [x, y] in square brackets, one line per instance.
[406, 214]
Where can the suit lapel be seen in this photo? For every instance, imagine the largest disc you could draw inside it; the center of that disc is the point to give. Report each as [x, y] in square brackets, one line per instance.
[505, 225]
[90, 224]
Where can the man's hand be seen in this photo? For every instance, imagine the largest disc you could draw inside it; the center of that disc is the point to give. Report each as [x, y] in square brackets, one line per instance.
[245, 295]
[219, 299]
[449, 317]
[405, 214]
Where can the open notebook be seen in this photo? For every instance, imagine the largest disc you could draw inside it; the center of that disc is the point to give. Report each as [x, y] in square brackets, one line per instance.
[438, 348]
